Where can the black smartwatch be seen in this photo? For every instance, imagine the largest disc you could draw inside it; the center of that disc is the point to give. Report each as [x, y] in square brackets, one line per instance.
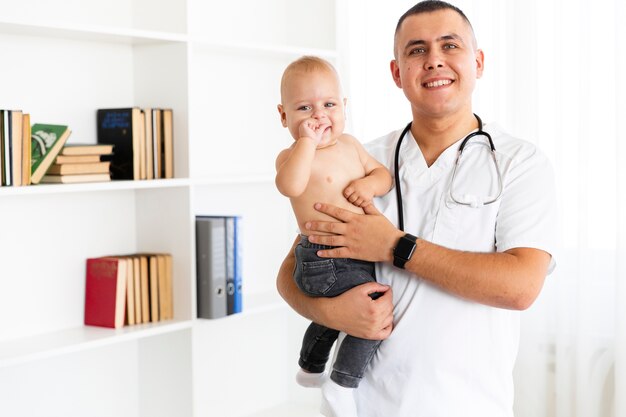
[404, 250]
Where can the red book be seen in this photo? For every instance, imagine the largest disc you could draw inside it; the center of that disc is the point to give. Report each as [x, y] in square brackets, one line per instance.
[105, 292]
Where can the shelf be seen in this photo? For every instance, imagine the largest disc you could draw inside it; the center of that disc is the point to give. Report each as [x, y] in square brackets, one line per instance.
[280, 50]
[78, 339]
[89, 33]
[48, 345]
[43, 189]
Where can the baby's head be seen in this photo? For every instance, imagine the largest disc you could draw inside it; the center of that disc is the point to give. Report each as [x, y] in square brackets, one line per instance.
[310, 88]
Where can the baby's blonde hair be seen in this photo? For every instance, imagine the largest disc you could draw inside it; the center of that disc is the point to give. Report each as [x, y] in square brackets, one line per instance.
[307, 63]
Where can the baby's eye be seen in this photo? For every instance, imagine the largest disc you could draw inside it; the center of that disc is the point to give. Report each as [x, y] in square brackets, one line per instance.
[329, 105]
[304, 108]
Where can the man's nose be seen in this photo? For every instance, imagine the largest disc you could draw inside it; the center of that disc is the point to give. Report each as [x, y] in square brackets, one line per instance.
[434, 60]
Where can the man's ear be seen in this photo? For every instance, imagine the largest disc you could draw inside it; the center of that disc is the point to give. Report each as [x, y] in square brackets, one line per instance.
[480, 63]
[395, 73]
[283, 116]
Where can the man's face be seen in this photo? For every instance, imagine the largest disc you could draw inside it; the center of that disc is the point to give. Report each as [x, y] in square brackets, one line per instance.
[437, 63]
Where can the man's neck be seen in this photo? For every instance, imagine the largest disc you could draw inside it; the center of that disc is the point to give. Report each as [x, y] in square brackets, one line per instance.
[434, 136]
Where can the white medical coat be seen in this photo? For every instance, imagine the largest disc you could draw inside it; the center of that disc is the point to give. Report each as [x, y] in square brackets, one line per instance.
[449, 357]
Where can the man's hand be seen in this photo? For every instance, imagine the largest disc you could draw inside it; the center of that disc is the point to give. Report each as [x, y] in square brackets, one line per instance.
[355, 313]
[368, 237]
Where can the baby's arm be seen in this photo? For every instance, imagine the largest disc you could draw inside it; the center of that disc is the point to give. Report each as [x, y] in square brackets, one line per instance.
[377, 180]
[293, 165]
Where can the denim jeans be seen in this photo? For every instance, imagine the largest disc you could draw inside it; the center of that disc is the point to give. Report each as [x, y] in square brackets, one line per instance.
[329, 277]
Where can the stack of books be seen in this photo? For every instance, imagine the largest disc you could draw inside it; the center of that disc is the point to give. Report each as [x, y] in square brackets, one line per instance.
[128, 290]
[143, 139]
[80, 163]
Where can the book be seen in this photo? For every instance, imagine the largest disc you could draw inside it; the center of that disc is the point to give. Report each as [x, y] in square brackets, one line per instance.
[75, 178]
[157, 143]
[154, 287]
[142, 145]
[168, 143]
[105, 292]
[46, 142]
[5, 155]
[211, 266]
[86, 149]
[137, 289]
[148, 139]
[26, 149]
[15, 135]
[233, 265]
[77, 159]
[130, 291]
[144, 282]
[80, 168]
[11, 147]
[166, 307]
[122, 128]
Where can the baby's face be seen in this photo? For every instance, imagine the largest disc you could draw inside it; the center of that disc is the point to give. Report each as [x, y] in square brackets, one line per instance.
[313, 95]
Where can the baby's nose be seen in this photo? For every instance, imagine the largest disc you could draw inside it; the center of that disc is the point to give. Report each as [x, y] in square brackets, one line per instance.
[319, 113]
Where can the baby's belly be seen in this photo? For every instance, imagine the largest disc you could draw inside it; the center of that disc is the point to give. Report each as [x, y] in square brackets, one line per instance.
[304, 212]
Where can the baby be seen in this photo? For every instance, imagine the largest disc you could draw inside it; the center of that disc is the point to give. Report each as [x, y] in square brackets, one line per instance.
[325, 164]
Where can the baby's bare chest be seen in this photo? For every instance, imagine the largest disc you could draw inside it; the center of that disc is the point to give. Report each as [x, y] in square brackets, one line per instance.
[337, 168]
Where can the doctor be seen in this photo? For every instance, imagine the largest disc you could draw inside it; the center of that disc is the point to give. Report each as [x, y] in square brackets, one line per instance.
[460, 270]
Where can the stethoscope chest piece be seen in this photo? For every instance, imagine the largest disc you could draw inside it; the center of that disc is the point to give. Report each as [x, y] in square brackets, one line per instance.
[452, 198]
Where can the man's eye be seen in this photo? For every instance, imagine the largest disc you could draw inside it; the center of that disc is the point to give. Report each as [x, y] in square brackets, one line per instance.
[450, 46]
[304, 108]
[416, 51]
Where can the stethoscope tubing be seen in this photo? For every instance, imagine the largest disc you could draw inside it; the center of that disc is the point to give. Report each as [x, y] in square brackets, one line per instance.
[396, 163]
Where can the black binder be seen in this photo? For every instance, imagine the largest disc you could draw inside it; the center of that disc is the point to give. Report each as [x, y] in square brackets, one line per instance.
[211, 266]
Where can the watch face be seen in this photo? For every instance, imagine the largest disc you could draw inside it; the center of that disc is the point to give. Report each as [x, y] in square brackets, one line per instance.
[405, 248]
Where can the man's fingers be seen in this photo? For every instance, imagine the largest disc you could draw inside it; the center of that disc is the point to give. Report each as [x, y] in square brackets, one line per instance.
[370, 209]
[335, 228]
[333, 253]
[334, 211]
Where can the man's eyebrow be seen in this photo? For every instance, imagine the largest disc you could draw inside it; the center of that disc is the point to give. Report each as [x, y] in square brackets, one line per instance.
[447, 37]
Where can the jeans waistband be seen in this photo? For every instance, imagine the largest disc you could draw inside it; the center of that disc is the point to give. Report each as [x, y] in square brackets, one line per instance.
[304, 241]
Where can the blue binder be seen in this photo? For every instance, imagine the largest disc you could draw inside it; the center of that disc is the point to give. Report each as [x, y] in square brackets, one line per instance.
[233, 265]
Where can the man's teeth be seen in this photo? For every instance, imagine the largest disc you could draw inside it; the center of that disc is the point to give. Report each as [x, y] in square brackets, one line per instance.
[438, 83]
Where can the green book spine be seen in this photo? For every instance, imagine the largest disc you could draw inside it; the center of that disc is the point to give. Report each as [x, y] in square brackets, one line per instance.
[47, 141]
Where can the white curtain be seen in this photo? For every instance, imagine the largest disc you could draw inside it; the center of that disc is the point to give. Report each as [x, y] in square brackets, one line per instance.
[554, 75]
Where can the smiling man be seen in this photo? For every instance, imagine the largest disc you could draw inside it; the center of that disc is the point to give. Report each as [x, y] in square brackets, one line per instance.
[473, 250]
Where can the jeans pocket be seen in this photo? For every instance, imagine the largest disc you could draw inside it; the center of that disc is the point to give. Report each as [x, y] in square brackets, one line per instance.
[318, 277]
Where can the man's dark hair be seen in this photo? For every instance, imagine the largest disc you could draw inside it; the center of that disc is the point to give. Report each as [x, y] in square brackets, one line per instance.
[428, 6]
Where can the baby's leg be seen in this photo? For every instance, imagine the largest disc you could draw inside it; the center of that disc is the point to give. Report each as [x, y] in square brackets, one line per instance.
[316, 346]
[352, 358]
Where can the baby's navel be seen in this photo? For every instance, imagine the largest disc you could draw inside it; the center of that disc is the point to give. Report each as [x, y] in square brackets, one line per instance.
[329, 179]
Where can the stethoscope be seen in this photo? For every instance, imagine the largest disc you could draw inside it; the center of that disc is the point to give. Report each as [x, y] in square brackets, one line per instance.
[475, 202]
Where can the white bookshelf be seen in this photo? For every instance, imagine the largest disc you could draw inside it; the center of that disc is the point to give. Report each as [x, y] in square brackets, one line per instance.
[218, 65]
